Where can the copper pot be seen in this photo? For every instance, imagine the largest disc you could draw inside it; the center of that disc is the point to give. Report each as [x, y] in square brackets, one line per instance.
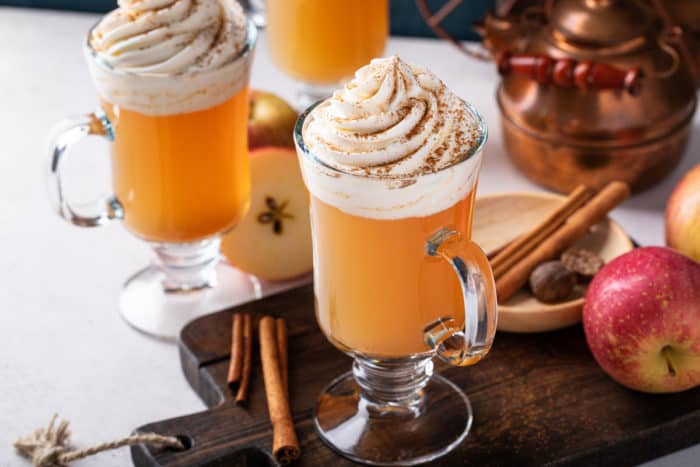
[593, 91]
[686, 15]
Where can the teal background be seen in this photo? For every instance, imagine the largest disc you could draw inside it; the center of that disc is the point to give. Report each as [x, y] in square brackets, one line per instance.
[405, 18]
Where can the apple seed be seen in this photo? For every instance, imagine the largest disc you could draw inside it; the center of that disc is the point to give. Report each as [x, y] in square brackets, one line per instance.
[275, 214]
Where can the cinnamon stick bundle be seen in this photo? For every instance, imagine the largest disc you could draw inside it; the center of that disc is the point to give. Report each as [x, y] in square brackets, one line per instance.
[285, 445]
[243, 388]
[575, 227]
[235, 370]
[518, 249]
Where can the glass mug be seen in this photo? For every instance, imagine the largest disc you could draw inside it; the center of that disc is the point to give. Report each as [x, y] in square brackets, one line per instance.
[392, 294]
[180, 180]
[321, 42]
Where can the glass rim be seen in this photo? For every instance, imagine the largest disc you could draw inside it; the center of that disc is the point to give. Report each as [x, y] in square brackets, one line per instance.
[251, 40]
[308, 155]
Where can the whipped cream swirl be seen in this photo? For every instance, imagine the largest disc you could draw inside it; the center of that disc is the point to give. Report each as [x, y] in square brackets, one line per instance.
[392, 120]
[166, 57]
[395, 142]
[170, 36]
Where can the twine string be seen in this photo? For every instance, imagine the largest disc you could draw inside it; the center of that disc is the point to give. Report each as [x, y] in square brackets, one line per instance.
[50, 446]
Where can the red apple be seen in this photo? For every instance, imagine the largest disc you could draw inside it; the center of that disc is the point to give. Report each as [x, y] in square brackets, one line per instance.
[271, 121]
[642, 320]
[273, 241]
[683, 216]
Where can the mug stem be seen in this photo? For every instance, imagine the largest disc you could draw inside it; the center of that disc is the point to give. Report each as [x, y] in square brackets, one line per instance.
[184, 282]
[188, 266]
[393, 386]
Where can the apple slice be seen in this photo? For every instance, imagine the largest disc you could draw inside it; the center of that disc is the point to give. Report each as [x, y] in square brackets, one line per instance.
[273, 241]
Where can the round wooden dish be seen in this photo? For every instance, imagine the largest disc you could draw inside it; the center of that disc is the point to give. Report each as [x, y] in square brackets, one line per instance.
[498, 219]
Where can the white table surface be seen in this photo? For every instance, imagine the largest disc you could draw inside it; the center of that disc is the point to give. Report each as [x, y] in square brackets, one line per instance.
[63, 346]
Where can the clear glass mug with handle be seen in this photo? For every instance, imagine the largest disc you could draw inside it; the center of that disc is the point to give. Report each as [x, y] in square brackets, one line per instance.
[393, 292]
[165, 191]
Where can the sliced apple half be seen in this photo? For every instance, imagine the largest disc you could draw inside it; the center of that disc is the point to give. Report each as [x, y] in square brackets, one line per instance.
[273, 241]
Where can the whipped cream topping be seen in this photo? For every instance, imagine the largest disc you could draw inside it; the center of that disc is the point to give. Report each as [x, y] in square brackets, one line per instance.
[171, 56]
[392, 120]
[170, 36]
[395, 142]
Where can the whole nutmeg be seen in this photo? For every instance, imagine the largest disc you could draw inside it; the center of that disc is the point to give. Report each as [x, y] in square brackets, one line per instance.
[552, 282]
[582, 261]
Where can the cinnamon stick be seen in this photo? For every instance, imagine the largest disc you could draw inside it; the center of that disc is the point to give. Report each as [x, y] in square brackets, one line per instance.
[575, 227]
[242, 394]
[285, 445]
[235, 368]
[522, 246]
[281, 331]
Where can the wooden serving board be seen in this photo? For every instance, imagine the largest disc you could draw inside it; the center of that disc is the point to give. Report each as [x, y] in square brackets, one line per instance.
[538, 399]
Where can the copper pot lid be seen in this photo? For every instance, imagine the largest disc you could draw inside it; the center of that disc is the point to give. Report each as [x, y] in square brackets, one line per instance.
[589, 72]
[599, 23]
[617, 37]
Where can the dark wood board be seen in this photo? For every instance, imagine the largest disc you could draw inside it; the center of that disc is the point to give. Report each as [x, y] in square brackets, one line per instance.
[538, 400]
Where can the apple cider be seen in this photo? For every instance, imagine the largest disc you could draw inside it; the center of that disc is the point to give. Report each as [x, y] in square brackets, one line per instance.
[172, 80]
[324, 41]
[391, 161]
[182, 177]
[376, 289]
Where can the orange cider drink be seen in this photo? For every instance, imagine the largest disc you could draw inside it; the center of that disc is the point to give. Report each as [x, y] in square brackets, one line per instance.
[375, 289]
[324, 41]
[182, 177]
[391, 161]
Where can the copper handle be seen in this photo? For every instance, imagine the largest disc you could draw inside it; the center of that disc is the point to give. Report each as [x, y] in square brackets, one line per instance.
[568, 73]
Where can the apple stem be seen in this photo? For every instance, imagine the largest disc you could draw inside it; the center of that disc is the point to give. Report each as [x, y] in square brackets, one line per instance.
[666, 352]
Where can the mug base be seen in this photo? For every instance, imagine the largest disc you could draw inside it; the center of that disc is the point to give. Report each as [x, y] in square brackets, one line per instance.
[352, 427]
[149, 307]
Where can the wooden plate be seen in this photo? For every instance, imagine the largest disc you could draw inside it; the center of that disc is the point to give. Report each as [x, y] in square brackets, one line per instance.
[498, 219]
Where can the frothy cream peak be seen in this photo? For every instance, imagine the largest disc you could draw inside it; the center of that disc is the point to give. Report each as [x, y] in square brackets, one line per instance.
[170, 36]
[392, 120]
[401, 143]
[166, 57]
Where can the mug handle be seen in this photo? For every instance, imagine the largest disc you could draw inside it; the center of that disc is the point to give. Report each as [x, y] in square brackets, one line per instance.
[65, 134]
[464, 345]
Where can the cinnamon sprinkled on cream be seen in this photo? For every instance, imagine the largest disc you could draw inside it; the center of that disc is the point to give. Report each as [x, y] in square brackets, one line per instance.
[398, 143]
[170, 36]
[392, 120]
[165, 57]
